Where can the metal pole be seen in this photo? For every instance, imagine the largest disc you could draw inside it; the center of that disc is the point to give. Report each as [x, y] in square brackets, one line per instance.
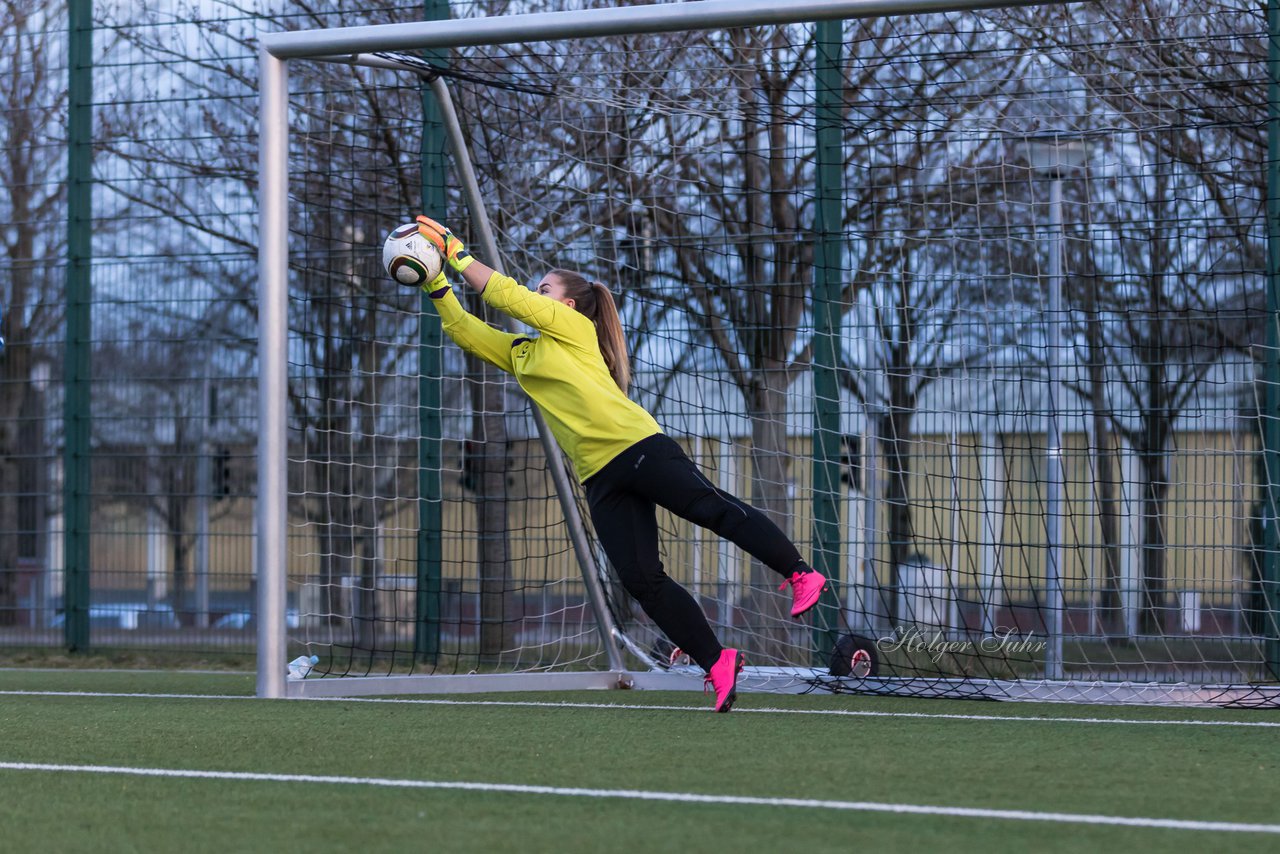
[872, 599]
[1270, 564]
[555, 460]
[828, 280]
[273, 376]
[994, 480]
[204, 486]
[429, 558]
[77, 415]
[1055, 476]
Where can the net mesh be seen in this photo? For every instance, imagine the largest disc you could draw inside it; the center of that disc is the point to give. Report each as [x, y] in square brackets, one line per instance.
[1050, 352]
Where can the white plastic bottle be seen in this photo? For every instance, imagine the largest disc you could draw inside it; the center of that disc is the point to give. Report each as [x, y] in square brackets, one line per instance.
[301, 666]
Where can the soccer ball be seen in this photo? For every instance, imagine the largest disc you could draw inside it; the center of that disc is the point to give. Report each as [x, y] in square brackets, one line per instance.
[409, 257]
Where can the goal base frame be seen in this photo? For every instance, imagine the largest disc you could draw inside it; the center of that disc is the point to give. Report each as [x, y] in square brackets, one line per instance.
[799, 680]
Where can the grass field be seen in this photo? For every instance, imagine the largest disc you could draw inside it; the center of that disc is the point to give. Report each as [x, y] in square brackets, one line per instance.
[167, 761]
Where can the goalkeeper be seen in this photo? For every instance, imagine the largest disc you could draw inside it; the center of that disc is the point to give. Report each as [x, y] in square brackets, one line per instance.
[577, 372]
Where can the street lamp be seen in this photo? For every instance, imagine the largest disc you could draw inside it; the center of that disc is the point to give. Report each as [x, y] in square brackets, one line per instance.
[1053, 157]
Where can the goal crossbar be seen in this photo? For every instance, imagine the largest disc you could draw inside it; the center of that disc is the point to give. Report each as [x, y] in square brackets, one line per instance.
[626, 20]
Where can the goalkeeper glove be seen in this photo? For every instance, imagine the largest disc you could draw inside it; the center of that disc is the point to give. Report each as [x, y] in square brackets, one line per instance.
[437, 287]
[449, 245]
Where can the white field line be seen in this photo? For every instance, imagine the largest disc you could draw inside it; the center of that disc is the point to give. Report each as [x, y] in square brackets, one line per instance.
[146, 671]
[737, 710]
[671, 797]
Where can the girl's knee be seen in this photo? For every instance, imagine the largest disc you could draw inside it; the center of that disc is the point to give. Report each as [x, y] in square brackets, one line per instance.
[718, 512]
[643, 582]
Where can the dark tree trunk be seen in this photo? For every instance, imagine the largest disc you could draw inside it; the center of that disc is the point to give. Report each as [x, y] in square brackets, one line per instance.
[1154, 608]
[1110, 605]
[895, 441]
[486, 469]
[767, 401]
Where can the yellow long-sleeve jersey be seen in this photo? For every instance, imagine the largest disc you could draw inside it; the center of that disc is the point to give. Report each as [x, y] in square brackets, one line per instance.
[561, 370]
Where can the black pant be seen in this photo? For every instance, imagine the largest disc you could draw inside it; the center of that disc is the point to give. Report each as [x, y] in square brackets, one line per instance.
[623, 496]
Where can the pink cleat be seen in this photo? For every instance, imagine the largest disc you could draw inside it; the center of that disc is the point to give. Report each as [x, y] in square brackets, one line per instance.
[806, 587]
[724, 678]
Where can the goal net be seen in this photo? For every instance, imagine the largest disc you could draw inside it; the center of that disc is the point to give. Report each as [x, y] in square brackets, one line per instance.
[972, 305]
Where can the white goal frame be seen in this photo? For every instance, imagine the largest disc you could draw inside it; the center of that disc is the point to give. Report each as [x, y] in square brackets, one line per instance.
[356, 45]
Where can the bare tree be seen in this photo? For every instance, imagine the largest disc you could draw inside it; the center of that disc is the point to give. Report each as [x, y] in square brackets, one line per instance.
[151, 449]
[1163, 283]
[360, 178]
[920, 329]
[1158, 340]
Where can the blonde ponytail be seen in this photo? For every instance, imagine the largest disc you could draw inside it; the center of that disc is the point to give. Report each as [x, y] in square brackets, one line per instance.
[613, 344]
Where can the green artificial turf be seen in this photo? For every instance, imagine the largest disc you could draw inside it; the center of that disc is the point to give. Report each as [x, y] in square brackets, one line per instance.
[1205, 773]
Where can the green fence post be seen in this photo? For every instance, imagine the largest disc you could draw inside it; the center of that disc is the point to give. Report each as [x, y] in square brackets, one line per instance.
[430, 340]
[827, 285]
[76, 402]
[1271, 415]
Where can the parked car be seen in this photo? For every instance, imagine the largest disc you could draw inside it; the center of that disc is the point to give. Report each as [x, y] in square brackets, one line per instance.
[126, 615]
[244, 620]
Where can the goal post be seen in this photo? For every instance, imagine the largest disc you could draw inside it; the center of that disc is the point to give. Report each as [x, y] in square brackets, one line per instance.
[930, 294]
[273, 375]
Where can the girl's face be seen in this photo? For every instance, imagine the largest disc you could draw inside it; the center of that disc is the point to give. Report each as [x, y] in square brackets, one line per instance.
[551, 286]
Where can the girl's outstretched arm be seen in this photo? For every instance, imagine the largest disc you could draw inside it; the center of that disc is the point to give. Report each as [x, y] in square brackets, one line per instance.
[468, 331]
[540, 312]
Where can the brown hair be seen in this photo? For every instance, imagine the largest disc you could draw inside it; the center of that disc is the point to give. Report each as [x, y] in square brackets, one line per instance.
[596, 302]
